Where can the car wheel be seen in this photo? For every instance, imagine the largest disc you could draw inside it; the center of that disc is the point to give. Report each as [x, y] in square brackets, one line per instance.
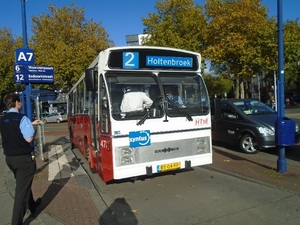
[248, 144]
[44, 121]
[57, 121]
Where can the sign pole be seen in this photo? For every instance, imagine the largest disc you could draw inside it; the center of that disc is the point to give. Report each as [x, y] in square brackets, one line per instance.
[281, 162]
[28, 111]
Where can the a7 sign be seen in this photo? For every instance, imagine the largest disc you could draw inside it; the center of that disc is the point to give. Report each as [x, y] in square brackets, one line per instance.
[24, 56]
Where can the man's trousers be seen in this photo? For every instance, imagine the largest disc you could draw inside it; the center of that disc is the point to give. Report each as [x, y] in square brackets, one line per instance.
[24, 169]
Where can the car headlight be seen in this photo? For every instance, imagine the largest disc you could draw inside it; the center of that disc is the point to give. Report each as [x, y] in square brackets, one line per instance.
[265, 131]
[297, 128]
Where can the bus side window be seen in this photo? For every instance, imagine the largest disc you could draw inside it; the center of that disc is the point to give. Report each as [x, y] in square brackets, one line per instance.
[104, 110]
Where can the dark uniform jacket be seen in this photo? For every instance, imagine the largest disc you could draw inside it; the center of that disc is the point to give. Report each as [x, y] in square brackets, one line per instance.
[13, 141]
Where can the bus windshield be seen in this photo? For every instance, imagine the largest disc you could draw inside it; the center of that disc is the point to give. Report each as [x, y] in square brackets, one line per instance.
[172, 94]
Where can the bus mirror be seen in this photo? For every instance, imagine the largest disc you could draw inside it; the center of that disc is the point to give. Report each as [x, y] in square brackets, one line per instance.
[90, 79]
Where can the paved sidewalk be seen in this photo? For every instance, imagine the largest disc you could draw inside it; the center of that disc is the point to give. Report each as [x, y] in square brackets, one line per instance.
[60, 178]
[260, 167]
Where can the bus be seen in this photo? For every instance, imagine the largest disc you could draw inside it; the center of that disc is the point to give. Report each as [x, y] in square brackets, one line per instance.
[158, 137]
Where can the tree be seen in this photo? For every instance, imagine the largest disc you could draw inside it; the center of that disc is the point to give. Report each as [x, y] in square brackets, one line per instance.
[292, 56]
[218, 85]
[65, 40]
[178, 24]
[8, 46]
[241, 37]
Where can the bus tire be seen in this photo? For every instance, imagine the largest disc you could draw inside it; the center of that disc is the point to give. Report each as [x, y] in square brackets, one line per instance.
[87, 152]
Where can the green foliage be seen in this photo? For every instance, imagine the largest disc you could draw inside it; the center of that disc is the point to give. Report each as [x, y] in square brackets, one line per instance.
[7, 60]
[177, 23]
[217, 85]
[65, 40]
[241, 36]
[292, 55]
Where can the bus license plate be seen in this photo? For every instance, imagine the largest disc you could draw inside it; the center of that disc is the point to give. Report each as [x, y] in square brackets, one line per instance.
[168, 167]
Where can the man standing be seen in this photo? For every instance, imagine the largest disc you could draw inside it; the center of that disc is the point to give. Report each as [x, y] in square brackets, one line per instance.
[17, 133]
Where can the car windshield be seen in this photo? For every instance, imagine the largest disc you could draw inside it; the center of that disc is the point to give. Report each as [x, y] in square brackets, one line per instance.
[253, 107]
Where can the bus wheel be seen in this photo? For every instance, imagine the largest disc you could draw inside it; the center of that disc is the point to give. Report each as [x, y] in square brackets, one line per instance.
[248, 144]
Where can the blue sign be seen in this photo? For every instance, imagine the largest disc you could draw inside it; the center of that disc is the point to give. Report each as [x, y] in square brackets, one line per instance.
[139, 138]
[130, 60]
[44, 95]
[34, 74]
[24, 56]
[169, 61]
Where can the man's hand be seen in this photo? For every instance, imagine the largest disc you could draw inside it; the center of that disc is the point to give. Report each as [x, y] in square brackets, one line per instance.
[37, 122]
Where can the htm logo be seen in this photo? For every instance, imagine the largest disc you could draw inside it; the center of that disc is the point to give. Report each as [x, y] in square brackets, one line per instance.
[201, 122]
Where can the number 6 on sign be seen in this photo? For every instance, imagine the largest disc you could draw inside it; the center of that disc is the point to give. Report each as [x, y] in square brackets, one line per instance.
[17, 68]
[130, 60]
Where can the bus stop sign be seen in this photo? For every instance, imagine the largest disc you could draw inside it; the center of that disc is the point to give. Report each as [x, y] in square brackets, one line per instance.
[24, 56]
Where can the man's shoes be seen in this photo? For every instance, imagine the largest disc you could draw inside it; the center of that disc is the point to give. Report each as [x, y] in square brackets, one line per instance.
[37, 203]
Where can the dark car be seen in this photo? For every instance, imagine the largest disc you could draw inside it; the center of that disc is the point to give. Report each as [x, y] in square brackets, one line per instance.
[249, 123]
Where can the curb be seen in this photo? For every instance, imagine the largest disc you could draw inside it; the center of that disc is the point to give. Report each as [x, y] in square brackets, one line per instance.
[242, 177]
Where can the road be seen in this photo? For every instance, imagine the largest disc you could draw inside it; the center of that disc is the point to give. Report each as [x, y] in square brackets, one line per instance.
[197, 196]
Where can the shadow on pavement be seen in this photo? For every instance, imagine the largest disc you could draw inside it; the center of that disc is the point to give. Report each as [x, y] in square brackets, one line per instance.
[57, 184]
[120, 210]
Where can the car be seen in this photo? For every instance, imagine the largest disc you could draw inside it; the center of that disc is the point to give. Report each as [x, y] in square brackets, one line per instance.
[3, 112]
[251, 124]
[55, 118]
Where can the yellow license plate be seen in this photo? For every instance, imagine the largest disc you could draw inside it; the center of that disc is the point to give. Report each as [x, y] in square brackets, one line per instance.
[168, 167]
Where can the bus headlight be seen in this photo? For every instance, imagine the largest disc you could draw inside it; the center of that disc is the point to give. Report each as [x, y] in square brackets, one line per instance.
[126, 151]
[127, 156]
[202, 145]
[127, 160]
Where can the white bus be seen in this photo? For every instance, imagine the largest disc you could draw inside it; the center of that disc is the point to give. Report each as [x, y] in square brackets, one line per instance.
[159, 134]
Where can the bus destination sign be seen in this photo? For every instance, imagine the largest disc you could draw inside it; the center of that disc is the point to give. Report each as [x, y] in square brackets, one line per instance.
[167, 61]
[153, 59]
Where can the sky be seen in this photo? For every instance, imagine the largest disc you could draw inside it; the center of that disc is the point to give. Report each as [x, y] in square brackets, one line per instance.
[118, 17]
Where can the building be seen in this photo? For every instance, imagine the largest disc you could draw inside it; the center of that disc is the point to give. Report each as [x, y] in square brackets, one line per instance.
[136, 39]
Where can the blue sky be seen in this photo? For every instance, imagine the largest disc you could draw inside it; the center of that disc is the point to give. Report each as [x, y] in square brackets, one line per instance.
[118, 17]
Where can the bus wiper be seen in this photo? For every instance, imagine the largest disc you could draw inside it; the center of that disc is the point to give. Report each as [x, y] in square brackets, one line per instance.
[147, 114]
[178, 107]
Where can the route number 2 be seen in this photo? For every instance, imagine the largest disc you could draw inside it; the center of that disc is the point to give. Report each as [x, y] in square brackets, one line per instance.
[130, 60]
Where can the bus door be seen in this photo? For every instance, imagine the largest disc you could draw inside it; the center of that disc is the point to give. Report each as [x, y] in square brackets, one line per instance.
[104, 155]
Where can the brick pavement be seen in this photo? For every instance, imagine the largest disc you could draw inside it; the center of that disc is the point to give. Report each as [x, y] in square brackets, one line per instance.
[64, 197]
[68, 195]
[256, 167]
